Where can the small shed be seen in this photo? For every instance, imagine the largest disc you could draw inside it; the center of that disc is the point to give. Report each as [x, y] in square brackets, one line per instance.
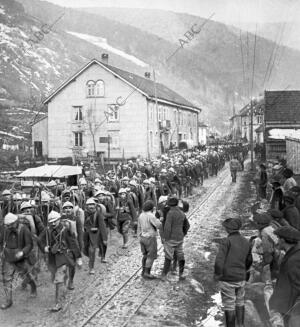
[293, 154]
[45, 173]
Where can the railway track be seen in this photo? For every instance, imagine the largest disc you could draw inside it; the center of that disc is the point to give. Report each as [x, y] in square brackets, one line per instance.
[124, 303]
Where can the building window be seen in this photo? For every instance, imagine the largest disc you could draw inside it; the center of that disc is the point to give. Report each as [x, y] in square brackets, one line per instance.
[99, 88]
[113, 113]
[114, 140]
[164, 113]
[259, 120]
[151, 109]
[77, 113]
[78, 139]
[90, 88]
[159, 113]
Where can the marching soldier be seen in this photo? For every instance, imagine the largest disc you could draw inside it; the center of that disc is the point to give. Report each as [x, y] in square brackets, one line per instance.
[61, 246]
[95, 234]
[126, 213]
[73, 223]
[16, 245]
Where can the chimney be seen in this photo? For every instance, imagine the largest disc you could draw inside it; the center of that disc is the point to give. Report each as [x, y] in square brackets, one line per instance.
[104, 58]
[147, 75]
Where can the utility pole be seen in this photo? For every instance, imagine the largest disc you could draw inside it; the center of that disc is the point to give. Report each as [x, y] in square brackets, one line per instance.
[157, 116]
[251, 134]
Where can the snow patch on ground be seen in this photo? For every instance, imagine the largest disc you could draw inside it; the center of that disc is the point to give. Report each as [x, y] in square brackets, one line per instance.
[2, 11]
[102, 43]
[212, 312]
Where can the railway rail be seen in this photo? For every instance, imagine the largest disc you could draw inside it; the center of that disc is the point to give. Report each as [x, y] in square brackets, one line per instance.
[134, 287]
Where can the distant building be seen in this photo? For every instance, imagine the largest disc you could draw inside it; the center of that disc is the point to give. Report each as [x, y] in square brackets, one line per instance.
[202, 139]
[282, 119]
[241, 123]
[102, 103]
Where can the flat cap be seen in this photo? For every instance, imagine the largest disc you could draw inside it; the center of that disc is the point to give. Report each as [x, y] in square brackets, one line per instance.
[287, 173]
[275, 213]
[148, 205]
[262, 218]
[172, 202]
[288, 233]
[232, 223]
[288, 198]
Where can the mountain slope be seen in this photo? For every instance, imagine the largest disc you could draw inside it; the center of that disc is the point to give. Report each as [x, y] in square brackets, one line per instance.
[207, 71]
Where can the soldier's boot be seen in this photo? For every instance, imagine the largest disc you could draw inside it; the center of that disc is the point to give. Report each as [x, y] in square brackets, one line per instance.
[125, 241]
[174, 266]
[135, 227]
[33, 289]
[181, 264]
[8, 294]
[58, 297]
[103, 254]
[147, 274]
[166, 269]
[240, 315]
[71, 278]
[230, 318]
[91, 261]
[143, 265]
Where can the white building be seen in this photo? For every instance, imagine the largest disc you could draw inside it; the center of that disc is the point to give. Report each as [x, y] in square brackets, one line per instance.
[140, 117]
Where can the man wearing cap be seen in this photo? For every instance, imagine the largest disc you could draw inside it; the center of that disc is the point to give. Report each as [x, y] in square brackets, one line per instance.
[232, 262]
[276, 201]
[94, 234]
[289, 180]
[295, 190]
[126, 213]
[147, 227]
[16, 243]
[175, 228]
[286, 296]
[235, 166]
[61, 246]
[36, 227]
[290, 212]
[277, 218]
[269, 242]
[7, 204]
[73, 223]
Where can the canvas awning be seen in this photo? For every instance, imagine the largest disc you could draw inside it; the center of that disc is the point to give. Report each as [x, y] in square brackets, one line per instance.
[51, 171]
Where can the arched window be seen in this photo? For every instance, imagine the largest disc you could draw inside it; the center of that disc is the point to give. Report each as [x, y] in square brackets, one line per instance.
[99, 88]
[90, 88]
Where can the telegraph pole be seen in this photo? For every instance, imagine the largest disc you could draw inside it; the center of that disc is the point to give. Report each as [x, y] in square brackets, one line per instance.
[156, 106]
[251, 134]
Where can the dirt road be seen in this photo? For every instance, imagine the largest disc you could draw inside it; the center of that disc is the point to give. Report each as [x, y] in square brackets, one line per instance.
[194, 302]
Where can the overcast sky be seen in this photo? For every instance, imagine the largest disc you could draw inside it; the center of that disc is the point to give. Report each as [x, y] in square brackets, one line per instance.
[228, 11]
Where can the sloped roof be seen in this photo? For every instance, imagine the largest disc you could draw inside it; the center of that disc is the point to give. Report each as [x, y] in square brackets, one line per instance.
[51, 171]
[141, 84]
[282, 106]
